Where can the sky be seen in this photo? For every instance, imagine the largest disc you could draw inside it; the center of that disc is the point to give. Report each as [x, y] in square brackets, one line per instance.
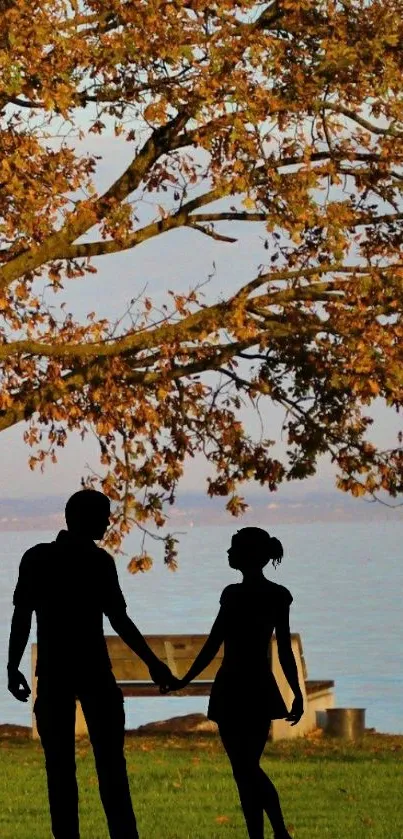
[175, 260]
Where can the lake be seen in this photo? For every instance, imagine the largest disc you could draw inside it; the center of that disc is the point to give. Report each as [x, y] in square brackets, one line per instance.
[347, 584]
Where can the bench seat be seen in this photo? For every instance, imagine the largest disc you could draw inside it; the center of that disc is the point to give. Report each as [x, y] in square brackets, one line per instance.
[179, 652]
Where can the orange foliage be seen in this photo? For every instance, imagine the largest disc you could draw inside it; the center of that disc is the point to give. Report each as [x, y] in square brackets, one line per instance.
[299, 107]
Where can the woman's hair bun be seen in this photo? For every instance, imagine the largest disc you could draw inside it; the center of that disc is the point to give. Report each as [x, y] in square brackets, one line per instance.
[276, 549]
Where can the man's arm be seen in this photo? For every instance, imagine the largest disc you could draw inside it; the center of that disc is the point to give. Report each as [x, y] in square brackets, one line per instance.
[19, 634]
[114, 607]
[159, 671]
[20, 629]
[132, 636]
[23, 601]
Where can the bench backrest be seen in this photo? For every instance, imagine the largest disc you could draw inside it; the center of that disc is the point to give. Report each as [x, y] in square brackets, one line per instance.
[179, 652]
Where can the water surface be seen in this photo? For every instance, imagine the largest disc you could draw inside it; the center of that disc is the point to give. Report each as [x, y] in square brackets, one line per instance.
[347, 584]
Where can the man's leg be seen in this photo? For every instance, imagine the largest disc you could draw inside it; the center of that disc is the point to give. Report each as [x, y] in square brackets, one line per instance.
[102, 704]
[55, 719]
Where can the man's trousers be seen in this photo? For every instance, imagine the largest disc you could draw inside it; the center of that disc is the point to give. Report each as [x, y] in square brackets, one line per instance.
[102, 703]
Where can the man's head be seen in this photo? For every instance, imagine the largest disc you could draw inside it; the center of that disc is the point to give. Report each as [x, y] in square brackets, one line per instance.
[87, 513]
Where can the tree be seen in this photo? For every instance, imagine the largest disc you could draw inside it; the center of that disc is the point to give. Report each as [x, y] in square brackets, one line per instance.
[299, 108]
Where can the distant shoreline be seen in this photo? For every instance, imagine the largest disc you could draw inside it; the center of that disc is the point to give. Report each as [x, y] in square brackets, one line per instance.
[200, 518]
[196, 509]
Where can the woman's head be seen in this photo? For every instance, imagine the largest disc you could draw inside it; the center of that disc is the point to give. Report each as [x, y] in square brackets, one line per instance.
[253, 547]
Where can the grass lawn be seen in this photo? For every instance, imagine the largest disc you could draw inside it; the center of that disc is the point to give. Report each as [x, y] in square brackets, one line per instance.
[182, 788]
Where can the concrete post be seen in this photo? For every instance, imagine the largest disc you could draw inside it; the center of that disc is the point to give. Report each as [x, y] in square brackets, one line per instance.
[281, 729]
[34, 680]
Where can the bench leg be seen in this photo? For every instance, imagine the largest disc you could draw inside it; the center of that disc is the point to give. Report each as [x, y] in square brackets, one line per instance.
[81, 729]
[81, 725]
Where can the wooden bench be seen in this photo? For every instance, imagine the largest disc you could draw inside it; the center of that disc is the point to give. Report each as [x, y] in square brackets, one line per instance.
[179, 652]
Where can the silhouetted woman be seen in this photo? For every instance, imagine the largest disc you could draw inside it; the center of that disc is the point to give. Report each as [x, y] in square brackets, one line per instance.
[245, 696]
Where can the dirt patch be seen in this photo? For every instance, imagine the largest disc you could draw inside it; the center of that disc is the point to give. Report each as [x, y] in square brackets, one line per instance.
[10, 730]
[186, 724]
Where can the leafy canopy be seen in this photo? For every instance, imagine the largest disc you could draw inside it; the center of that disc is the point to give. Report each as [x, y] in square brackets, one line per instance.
[298, 110]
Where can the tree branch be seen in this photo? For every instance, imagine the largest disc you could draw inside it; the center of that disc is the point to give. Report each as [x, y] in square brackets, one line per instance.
[88, 213]
[93, 373]
[390, 131]
[325, 268]
[188, 329]
[219, 237]
[182, 218]
[246, 216]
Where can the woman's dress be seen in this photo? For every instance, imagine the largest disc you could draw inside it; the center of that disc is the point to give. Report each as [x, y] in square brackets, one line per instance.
[244, 684]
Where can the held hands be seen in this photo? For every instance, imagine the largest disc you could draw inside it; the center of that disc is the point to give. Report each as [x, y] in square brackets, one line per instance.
[176, 684]
[297, 710]
[160, 673]
[18, 685]
[163, 677]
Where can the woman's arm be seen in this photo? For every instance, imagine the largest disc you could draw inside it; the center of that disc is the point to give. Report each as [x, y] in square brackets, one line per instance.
[285, 653]
[208, 651]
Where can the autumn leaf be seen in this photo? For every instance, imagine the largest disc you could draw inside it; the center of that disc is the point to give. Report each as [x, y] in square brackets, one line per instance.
[249, 203]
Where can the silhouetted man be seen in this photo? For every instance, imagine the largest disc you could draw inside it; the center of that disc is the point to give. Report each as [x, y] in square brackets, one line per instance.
[70, 583]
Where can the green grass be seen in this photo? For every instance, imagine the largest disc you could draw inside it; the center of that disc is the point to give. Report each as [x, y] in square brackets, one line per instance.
[182, 788]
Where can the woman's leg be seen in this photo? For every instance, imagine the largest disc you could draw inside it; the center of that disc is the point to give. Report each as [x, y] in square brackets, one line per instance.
[256, 791]
[271, 805]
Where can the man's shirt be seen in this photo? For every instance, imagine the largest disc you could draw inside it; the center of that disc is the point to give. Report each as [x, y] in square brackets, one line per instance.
[70, 584]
